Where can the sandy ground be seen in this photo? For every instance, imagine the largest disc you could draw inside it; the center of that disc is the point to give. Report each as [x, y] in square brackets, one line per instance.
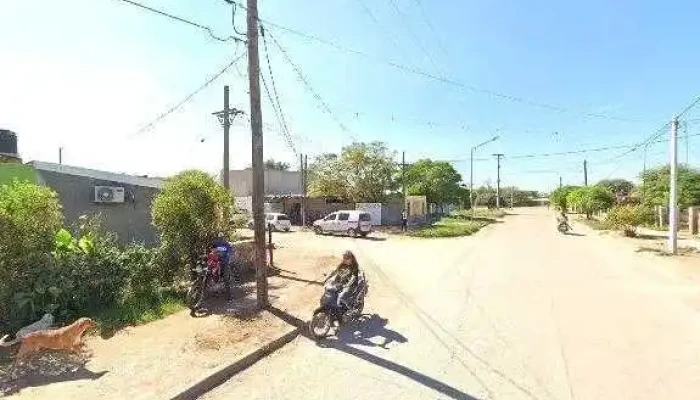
[517, 311]
[152, 360]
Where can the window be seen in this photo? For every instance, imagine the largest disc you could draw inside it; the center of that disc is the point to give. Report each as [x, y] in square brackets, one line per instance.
[365, 217]
[282, 218]
[330, 217]
[343, 216]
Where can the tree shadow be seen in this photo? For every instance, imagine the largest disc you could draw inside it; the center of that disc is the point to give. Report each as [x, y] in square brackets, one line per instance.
[293, 278]
[375, 327]
[372, 238]
[242, 305]
[45, 369]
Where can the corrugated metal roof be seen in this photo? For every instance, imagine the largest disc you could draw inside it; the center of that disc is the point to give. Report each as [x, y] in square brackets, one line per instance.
[96, 174]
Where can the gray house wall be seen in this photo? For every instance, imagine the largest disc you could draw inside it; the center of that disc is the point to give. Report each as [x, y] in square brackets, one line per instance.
[130, 220]
[276, 182]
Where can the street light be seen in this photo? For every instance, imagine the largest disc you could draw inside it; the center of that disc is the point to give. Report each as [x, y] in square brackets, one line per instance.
[471, 171]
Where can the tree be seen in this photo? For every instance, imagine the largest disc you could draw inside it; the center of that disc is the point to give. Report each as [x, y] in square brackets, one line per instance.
[655, 187]
[272, 165]
[438, 181]
[364, 172]
[558, 197]
[189, 214]
[628, 217]
[590, 199]
[621, 188]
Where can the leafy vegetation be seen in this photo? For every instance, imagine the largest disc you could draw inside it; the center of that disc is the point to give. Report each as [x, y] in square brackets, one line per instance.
[558, 198]
[628, 217]
[272, 165]
[590, 199]
[437, 180]
[654, 189]
[449, 227]
[621, 188]
[363, 172]
[189, 213]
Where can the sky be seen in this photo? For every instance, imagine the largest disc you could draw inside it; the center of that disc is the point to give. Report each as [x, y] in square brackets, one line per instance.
[431, 79]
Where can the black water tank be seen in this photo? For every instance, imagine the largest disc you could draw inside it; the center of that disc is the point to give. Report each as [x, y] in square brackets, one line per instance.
[8, 143]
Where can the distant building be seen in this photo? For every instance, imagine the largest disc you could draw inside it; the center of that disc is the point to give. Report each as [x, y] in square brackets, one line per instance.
[8, 147]
[122, 201]
[278, 184]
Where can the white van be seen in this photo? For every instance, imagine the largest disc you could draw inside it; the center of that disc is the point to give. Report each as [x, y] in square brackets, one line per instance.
[352, 222]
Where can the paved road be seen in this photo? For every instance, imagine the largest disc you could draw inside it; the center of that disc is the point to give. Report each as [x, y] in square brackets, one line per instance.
[516, 312]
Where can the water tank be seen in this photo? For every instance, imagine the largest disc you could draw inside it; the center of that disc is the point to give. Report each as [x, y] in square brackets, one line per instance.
[8, 143]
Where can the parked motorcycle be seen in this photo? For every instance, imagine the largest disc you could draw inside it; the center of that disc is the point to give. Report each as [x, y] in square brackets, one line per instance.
[329, 313]
[214, 267]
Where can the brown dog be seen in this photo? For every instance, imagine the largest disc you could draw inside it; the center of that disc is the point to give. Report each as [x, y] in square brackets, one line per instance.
[66, 338]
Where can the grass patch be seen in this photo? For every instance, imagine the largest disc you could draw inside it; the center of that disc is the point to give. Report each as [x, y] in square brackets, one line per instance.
[138, 310]
[480, 213]
[595, 224]
[450, 227]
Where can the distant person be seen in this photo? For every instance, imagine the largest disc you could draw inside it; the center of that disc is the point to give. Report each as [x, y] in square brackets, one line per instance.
[404, 220]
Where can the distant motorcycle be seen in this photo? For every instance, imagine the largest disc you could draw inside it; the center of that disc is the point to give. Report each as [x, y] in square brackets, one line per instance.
[563, 227]
[329, 313]
[211, 268]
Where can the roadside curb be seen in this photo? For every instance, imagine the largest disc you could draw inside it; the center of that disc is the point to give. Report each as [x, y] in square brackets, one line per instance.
[221, 375]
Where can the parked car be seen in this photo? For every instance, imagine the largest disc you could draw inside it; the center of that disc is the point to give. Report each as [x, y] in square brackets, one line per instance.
[278, 221]
[351, 222]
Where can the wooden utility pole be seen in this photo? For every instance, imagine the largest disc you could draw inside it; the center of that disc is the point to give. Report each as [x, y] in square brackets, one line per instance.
[673, 195]
[585, 173]
[498, 179]
[302, 177]
[257, 153]
[60, 155]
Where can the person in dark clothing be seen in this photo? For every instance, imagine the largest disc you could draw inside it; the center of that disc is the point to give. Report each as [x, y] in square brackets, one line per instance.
[346, 276]
[404, 220]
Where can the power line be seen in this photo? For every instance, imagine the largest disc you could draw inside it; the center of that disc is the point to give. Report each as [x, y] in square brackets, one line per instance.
[278, 109]
[187, 98]
[185, 21]
[415, 37]
[306, 83]
[424, 15]
[441, 79]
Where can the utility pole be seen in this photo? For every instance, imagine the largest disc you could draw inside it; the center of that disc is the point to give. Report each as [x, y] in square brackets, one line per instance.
[302, 168]
[673, 195]
[498, 179]
[471, 171]
[585, 173]
[512, 189]
[60, 155]
[560, 184]
[257, 153]
[226, 116]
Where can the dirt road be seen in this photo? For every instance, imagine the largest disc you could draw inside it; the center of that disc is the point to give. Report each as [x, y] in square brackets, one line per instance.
[515, 312]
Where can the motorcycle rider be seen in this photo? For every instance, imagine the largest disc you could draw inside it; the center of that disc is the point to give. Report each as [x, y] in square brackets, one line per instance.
[346, 276]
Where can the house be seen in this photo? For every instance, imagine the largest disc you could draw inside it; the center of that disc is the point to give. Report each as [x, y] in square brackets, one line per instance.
[122, 201]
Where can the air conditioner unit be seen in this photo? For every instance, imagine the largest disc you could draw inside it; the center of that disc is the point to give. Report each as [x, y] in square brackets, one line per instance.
[109, 194]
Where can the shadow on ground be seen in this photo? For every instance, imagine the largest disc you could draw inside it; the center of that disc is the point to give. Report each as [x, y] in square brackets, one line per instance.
[45, 369]
[375, 326]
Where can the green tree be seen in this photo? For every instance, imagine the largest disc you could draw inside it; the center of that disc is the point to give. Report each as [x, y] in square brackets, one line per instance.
[189, 213]
[438, 181]
[620, 187]
[655, 186]
[558, 198]
[364, 172]
[590, 199]
[272, 165]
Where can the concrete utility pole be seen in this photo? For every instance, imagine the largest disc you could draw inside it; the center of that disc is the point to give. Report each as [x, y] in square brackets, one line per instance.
[560, 184]
[403, 177]
[471, 171]
[60, 155]
[673, 195]
[303, 165]
[585, 173]
[498, 179]
[257, 153]
[226, 116]
[512, 190]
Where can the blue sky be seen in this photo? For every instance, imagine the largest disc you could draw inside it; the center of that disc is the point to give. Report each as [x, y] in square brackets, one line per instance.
[87, 74]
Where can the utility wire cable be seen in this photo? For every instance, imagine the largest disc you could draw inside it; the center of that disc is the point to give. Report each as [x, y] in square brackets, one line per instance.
[445, 80]
[415, 37]
[280, 117]
[425, 18]
[185, 21]
[188, 98]
[285, 134]
[310, 88]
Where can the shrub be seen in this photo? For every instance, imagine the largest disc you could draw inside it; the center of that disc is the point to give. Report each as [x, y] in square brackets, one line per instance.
[590, 199]
[30, 216]
[558, 198]
[628, 217]
[190, 213]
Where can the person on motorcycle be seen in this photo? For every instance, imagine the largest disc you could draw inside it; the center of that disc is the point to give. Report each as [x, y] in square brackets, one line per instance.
[346, 277]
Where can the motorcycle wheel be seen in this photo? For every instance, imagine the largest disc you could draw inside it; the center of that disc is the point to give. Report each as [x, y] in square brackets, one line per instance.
[320, 324]
[563, 228]
[195, 295]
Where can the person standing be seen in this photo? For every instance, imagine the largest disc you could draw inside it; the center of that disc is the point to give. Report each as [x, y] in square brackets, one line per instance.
[404, 220]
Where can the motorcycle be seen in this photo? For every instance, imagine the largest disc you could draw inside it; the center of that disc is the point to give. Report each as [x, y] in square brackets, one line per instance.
[214, 267]
[329, 313]
[563, 227]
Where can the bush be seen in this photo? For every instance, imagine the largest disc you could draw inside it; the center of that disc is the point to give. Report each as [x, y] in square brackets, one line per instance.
[558, 198]
[190, 212]
[628, 217]
[30, 216]
[590, 199]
